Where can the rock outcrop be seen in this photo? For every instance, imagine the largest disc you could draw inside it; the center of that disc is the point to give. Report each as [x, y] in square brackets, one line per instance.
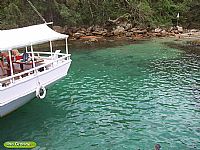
[123, 28]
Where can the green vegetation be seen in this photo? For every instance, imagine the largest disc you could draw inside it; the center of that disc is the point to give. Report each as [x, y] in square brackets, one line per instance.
[17, 13]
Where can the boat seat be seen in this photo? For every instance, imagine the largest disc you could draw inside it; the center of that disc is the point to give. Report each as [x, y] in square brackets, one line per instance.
[55, 55]
[17, 70]
[57, 52]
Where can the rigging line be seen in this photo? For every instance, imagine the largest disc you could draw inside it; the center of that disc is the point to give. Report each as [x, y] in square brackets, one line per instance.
[38, 13]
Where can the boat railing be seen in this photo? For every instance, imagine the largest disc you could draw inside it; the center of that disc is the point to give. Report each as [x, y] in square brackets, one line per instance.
[46, 65]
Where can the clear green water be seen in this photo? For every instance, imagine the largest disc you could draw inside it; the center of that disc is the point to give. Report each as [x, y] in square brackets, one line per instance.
[127, 97]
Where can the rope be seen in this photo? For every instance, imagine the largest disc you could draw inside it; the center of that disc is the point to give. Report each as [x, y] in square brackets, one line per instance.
[35, 70]
[36, 11]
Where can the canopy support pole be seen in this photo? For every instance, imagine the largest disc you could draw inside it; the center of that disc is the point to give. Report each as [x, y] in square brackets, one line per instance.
[26, 49]
[11, 66]
[33, 59]
[51, 49]
[66, 46]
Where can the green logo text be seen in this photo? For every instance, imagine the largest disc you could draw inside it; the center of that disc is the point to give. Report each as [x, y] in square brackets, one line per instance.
[20, 144]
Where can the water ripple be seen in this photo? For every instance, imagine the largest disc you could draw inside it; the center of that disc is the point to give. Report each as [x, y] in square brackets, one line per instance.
[129, 97]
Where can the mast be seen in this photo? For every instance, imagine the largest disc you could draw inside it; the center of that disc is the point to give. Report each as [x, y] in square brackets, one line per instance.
[38, 13]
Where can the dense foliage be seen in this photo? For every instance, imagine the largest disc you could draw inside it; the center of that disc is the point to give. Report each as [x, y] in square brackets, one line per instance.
[14, 13]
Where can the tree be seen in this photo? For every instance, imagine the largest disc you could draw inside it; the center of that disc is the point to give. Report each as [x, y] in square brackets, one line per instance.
[17, 13]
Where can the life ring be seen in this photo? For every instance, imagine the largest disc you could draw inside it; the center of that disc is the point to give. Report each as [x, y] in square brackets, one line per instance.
[41, 92]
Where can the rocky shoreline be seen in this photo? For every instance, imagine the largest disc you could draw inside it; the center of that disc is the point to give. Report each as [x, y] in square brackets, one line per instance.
[124, 30]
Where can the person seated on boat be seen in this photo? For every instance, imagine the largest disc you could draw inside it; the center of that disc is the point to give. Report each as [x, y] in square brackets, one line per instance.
[16, 54]
[5, 62]
[2, 64]
[25, 56]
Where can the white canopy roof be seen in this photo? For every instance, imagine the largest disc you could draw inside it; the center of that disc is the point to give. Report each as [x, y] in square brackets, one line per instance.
[22, 37]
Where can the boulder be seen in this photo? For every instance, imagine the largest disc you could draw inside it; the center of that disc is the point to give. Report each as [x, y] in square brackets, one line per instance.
[97, 28]
[72, 30]
[93, 40]
[88, 34]
[140, 31]
[119, 30]
[59, 29]
[87, 37]
[176, 31]
[100, 32]
[122, 23]
[180, 29]
[193, 30]
[82, 30]
[170, 29]
[163, 32]
[134, 29]
[78, 35]
[172, 34]
[158, 34]
[129, 34]
[105, 32]
[178, 36]
[109, 34]
[90, 29]
[128, 26]
[157, 30]
[97, 32]
[69, 31]
[138, 36]
[65, 28]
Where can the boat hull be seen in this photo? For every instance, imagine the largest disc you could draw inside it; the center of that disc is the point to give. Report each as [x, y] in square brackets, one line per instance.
[24, 89]
[15, 104]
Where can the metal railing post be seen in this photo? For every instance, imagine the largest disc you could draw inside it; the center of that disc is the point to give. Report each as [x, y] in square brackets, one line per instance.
[66, 46]
[33, 59]
[11, 66]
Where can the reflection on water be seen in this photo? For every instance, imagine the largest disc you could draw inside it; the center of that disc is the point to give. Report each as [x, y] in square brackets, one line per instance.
[127, 97]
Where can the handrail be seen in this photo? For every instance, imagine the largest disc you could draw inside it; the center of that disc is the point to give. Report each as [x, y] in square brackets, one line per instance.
[36, 68]
[50, 53]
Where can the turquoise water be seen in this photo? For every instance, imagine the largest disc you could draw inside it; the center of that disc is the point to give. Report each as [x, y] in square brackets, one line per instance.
[126, 97]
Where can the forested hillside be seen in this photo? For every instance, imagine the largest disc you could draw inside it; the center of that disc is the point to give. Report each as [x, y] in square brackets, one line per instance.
[153, 13]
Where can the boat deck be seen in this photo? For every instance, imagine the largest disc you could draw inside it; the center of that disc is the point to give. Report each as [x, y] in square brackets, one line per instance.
[43, 61]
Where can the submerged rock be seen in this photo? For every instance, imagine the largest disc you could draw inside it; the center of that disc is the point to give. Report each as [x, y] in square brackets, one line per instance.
[196, 42]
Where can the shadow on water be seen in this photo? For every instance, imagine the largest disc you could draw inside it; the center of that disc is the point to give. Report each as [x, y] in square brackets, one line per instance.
[185, 45]
[81, 45]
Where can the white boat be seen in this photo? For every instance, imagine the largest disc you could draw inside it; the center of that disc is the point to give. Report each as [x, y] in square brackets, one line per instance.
[37, 74]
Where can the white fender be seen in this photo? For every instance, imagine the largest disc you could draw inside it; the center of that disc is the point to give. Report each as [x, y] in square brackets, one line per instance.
[41, 92]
